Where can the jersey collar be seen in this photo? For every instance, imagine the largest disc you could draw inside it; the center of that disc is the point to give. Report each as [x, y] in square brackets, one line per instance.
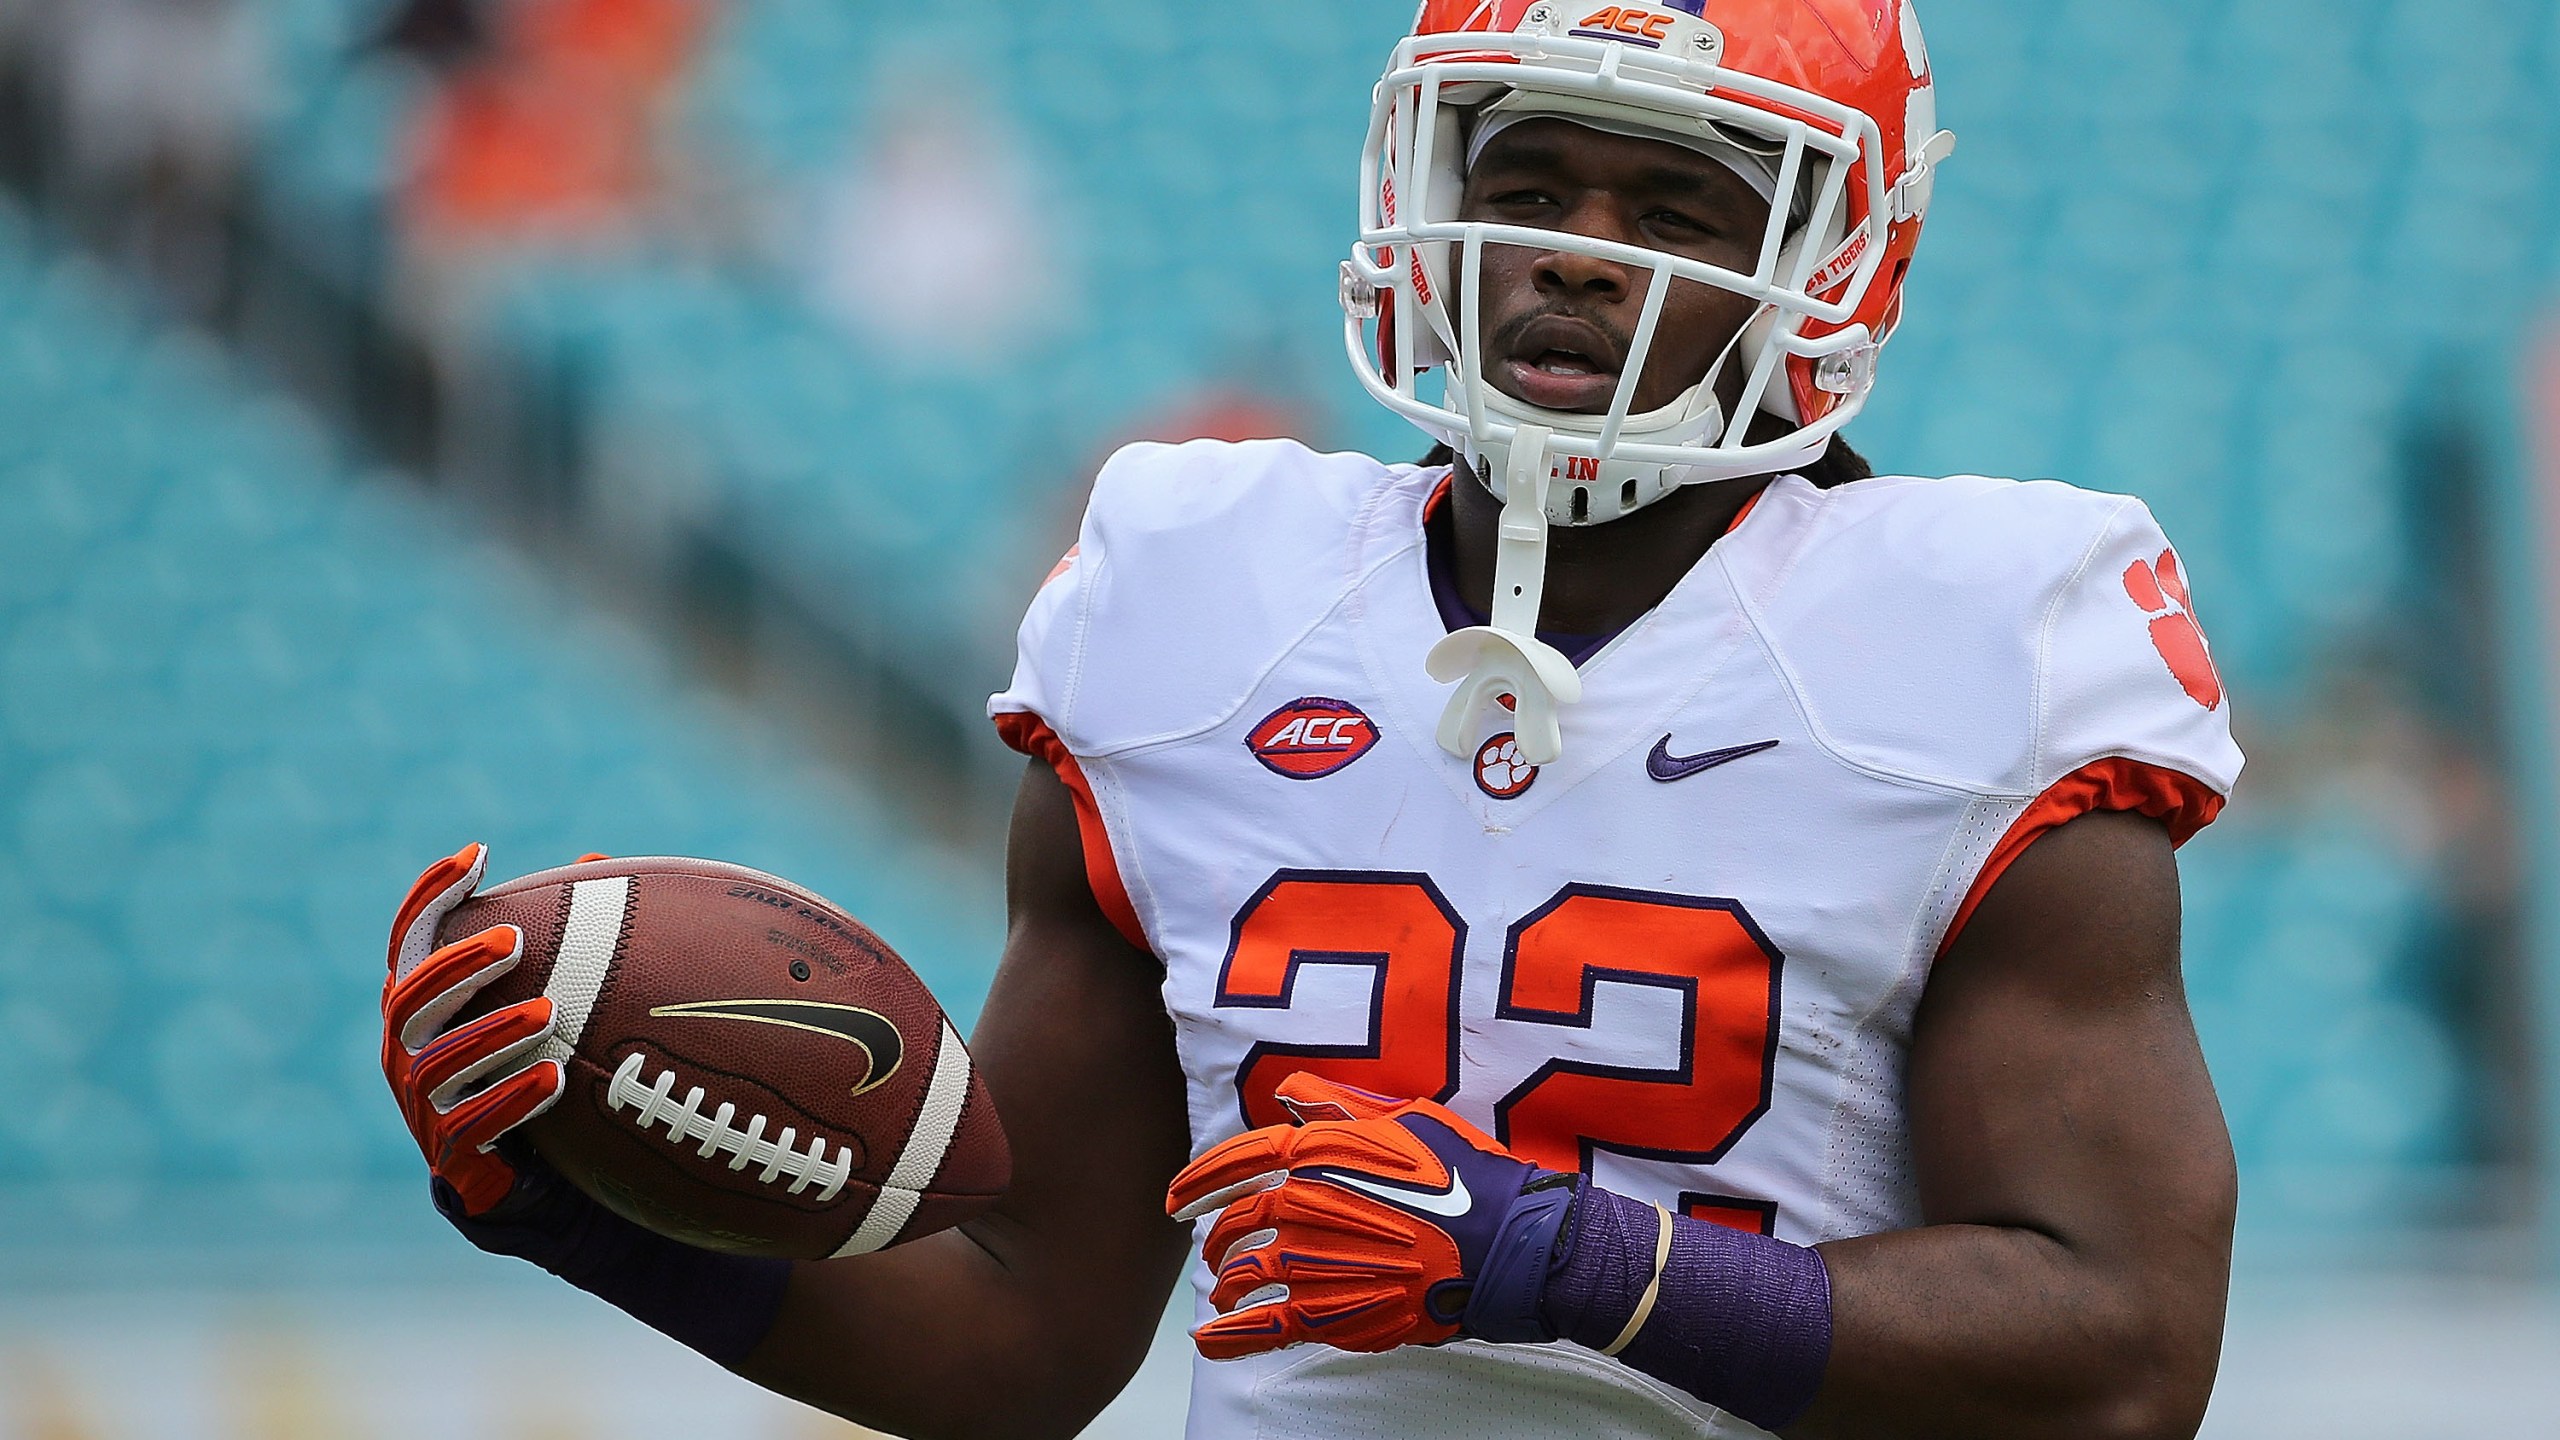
[1636, 681]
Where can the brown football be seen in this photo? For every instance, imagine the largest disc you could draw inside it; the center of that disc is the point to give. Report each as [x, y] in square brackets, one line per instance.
[750, 1069]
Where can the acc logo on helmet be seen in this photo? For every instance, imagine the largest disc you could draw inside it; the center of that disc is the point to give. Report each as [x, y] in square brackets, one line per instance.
[1626, 20]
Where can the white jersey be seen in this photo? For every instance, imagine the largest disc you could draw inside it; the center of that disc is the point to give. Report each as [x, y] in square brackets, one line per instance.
[1684, 956]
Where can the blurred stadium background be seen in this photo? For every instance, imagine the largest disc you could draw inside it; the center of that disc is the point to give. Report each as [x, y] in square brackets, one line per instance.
[634, 425]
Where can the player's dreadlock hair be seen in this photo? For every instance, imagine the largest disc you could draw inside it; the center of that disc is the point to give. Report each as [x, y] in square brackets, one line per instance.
[1838, 466]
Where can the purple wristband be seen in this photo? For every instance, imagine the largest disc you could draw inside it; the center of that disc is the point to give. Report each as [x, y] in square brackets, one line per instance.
[1741, 1321]
[720, 1305]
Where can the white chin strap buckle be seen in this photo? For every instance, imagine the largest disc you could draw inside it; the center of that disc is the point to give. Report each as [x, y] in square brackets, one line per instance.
[1507, 657]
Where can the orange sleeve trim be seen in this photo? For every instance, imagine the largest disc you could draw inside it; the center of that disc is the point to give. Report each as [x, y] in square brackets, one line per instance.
[1065, 563]
[2182, 802]
[1032, 736]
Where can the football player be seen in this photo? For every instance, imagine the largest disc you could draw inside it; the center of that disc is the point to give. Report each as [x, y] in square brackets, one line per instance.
[1632, 928]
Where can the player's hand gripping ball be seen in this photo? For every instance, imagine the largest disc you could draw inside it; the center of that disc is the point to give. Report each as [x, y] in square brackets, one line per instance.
[429, 1066]
[1368, 1224]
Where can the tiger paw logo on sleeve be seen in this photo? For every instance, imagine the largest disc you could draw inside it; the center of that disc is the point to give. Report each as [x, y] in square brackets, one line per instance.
[2156, 586]
[1311, 737]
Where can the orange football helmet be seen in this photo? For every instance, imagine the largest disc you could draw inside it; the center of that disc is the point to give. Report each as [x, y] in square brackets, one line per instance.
[1837, 94]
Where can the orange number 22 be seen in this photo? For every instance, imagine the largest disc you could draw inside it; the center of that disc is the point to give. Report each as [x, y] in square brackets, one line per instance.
[1707, 952]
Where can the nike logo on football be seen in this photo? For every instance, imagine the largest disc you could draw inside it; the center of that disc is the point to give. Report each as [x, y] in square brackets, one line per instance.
[1664, 766]
[873, 1033]
[1448, 1203]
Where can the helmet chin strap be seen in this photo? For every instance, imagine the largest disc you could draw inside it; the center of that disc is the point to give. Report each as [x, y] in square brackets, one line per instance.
[1507, 657]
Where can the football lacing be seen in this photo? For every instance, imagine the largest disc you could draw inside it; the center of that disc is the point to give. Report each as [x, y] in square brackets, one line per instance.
[685, 1123]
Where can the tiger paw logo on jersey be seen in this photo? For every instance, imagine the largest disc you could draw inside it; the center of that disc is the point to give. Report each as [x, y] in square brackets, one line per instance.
[2155, 585]
[1501, 772]
[1311, 737]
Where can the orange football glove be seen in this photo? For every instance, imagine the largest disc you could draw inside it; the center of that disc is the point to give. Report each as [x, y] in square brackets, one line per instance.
[429, 1071]
[1368, 1224]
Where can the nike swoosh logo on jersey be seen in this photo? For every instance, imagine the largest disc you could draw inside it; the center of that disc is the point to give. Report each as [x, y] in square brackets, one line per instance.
[873, 1033]
[1664, 766]
[1447, 1203]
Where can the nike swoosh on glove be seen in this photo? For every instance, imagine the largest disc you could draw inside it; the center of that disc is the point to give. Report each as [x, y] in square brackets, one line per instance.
[1370, 1223]
[430, 1067]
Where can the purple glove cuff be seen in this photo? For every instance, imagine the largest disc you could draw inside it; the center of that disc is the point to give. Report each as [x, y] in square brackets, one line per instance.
[720, 1305]
[1741, 1321]
[1505, 1301]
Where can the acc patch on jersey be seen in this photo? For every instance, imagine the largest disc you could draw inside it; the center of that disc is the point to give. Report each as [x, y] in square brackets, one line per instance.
[1311, 737]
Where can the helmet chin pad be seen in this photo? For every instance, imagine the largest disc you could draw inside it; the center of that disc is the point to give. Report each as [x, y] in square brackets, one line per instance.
[1581, 490]
[1594, 489]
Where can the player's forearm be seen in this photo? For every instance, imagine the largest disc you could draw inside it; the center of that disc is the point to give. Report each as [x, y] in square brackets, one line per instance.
[1968, 1332]
[719, 1305]
[2003, 1333]
[939, 1338]
[911, 1339]
[965, 1335]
